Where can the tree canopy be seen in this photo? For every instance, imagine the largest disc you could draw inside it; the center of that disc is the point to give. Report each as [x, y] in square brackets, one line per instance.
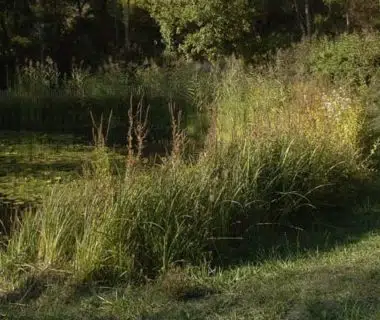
[132, 30]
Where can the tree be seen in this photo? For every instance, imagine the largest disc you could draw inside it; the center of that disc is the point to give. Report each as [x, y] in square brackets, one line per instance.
[202, 28]
[358, 14]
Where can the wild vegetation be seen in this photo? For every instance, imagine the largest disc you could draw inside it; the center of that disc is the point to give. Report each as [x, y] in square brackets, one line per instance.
[248, 181]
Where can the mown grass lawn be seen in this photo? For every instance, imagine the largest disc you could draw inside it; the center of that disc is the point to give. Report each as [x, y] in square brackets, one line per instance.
[343, 283]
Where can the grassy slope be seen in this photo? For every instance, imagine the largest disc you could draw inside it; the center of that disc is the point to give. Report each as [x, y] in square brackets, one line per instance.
[334, 276]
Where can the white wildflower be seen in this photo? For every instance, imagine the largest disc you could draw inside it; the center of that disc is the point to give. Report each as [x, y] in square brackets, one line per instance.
[336, 103]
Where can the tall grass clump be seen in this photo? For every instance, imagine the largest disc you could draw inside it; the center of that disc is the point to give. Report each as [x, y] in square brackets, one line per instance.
[36, 78]
[305, 136]
[111, 79]
[277, 154]
[128, 227]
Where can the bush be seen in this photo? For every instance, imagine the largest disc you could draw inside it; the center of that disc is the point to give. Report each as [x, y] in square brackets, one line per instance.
[350, 60]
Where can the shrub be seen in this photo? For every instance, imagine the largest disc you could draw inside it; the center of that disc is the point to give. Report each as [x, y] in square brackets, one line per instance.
[350, 60]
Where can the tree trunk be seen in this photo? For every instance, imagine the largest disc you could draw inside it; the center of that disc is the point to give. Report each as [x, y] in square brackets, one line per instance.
[348, 18]
[308, 19]
[40, 28]
[79, 9]
[348, 22]
[299, 19]
[115, 20]
[6, 38]
[126, 21]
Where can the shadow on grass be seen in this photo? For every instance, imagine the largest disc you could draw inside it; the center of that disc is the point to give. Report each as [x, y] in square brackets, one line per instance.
[342, 296]
[343, 224]
[330, 294]
[30, 289]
